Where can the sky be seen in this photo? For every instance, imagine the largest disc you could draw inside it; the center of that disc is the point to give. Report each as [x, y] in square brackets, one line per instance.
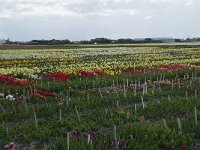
[24, 20]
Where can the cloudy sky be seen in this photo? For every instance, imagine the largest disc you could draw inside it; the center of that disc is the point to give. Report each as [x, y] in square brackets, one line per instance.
[86, 19]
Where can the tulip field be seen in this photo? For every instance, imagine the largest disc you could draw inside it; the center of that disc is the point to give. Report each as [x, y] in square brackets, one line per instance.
[139, 97]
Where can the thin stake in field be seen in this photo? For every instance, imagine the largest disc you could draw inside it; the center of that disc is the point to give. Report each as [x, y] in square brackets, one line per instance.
[77, 113]
[195, 116]
[68, 134]
[60, 112]
[172, 84]
[195, 93]
[179, 124]
[36, 123]
[2, 108]
[165, 124]
[142, 99]
[7, 130]
[169, 98]
[115, 134]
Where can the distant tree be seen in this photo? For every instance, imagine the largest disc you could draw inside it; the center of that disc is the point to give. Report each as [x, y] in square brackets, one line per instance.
[178, 40]
[49, 42]
[148, 40]
[100, 41]
[84, 42]
[125, 41]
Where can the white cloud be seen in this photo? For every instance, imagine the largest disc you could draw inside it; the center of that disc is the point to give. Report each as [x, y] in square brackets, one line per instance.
[5, 15]
[16, 8]
[118, 1]
[110, 12]
[78, 8]
[188, 3]
[161, 1]
[115, 1]
[148, 17]
[185, 2]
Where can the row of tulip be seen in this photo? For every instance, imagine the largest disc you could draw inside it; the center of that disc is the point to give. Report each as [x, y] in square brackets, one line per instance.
[106, 59]
[11, 80]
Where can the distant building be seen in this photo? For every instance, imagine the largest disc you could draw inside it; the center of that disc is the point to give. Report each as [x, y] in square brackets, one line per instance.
[2, 41]
[165, 40]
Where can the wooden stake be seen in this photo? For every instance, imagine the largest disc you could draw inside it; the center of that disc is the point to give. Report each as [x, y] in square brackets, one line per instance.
[196, 96]
[169, 98]
[186, 94]
[160, 77]
[36, 123]
[195, 116]
[117, 104]
[139, 84]
[164, 77]
[135, 89]
[25, 103]
[165, 124]
[190, 83]
[135, 108]
[88, 96]
[146, 88]
[143, 90]
[153, 88]
[179, 84]
[7, 130]
[142, 99]
[179, 124]
[91, 145]
[77, 114]
[2, 108]
[172, 84]
[188, 76]
[68, 140]
[60, 115]
[67, 101]
[31, 89]
[88, 140]
[124, 91]
[115, 134]
[192, 75]
[127, 83]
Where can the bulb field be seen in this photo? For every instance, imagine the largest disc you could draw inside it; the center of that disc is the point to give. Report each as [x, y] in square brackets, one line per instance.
[142, 97]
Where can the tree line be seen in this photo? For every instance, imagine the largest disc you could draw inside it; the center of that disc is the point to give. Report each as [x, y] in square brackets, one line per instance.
[103, 41]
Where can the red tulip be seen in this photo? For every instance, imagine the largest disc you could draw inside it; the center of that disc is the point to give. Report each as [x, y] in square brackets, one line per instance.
[91, 73]
[10, 80]
[155, 69]
[182, 147]
[57, 76]
[43, 93]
